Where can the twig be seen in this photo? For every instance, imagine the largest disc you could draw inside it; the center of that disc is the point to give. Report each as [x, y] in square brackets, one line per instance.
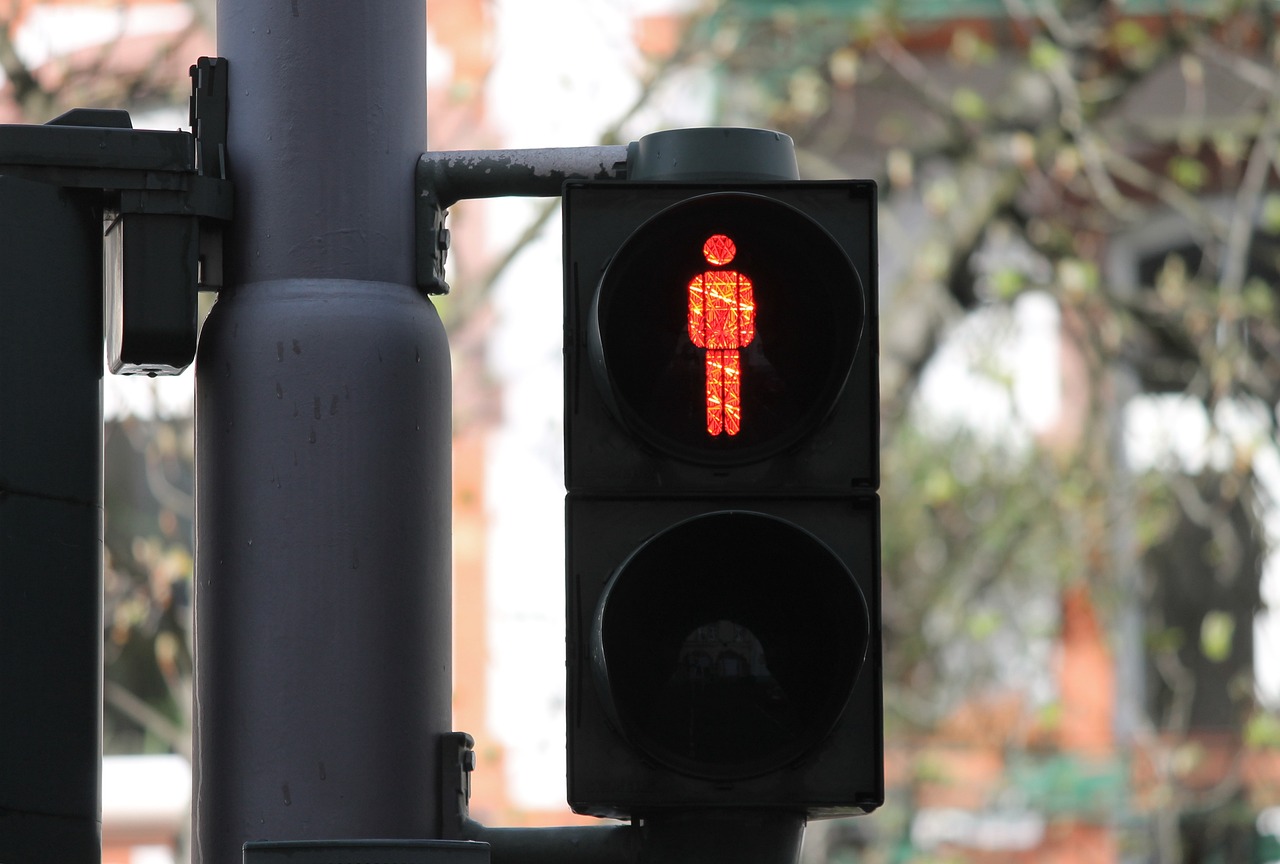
[124, 701]
[531, 232]
[1240, 231]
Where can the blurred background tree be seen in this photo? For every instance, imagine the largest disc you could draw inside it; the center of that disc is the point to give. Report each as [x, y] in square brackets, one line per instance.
[1113, 165]
[150, 505]
[1080, 245]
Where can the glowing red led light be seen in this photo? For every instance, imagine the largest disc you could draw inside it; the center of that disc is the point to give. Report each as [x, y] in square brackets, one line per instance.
[719, 249]
[722, 319]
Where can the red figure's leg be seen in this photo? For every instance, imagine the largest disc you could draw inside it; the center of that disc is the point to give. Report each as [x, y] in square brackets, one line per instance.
[731, 391]
[724, 400]
[715, 392]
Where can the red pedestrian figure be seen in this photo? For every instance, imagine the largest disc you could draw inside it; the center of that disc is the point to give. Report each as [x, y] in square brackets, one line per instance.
[722, 319]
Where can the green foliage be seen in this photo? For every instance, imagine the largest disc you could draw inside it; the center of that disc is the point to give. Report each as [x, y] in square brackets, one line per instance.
[1263, 730]
[1136, 47]
[1259, 299]
[1188, 172]
[1077, 276]
[1271, 213]
[1216, 633]
[970, 47]
[1045, 56]
[1076, 127]
[149, 521]
[969, 104]
[974, 530]
[1007, 283]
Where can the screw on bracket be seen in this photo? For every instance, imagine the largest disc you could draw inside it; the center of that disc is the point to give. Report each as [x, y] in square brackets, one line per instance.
[457, 761]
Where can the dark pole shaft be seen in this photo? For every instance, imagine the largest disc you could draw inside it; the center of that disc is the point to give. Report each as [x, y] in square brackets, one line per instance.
[323, 443]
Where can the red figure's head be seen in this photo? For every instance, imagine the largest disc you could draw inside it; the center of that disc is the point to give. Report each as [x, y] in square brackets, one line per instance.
[719, 249]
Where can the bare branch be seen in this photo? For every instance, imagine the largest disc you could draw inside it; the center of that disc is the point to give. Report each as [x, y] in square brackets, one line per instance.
[913, 72]
[1243, 67]
[1240, 231]
[908, 340]
[683, 52]
[1164, 189]
[32, 98]
[156, 723]
[1090, 145]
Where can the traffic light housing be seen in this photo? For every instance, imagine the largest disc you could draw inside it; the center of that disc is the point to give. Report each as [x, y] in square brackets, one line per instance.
[721, 462]
[160, 199]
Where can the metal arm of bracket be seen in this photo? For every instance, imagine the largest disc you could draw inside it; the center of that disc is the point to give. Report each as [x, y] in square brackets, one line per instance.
[446, 177]
[583, 844]
[676, 837]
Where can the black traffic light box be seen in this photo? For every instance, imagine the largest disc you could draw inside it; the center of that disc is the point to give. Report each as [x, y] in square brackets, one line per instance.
[722, 462]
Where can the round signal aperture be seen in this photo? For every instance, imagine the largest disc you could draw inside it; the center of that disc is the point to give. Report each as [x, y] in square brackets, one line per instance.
[725, 327]
[728, 645]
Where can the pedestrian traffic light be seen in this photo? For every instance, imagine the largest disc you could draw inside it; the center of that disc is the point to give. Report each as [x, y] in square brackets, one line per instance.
[721, 462]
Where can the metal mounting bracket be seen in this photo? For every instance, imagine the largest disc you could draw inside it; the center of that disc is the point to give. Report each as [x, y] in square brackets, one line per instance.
[443, 178]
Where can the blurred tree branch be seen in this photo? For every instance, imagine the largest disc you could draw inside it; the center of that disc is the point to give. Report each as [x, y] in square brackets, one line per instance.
[32, 98]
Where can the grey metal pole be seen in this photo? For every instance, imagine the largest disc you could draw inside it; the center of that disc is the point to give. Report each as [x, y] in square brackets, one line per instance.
[322, 599]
